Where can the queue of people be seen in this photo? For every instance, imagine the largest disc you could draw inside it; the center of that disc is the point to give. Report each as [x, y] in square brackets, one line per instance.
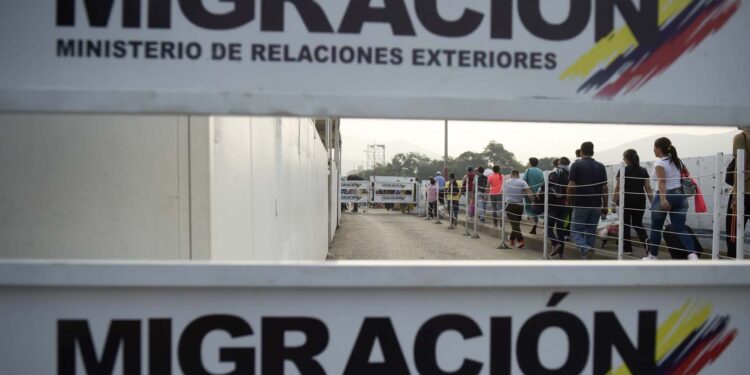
[579, 198]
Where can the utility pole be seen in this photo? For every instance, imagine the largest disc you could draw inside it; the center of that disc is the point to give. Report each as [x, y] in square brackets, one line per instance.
[375, 156]
[445, 159]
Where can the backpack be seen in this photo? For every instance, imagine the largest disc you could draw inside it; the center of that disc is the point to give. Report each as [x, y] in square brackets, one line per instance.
[454, 188]
[559, 179]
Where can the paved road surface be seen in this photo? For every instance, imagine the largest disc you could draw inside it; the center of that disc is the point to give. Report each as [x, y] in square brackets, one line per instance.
[381, 234]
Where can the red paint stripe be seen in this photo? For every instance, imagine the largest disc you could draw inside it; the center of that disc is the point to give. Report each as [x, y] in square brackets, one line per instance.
[640, 73]
[708, 357]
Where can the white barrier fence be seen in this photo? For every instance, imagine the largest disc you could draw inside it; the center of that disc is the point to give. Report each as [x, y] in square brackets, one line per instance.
[710, 175]
[381, 189]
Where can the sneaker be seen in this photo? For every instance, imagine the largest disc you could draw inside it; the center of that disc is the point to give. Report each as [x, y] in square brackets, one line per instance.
[512, 243]
[693, 256]
[557, 249]
[521, 244]
[650, 256]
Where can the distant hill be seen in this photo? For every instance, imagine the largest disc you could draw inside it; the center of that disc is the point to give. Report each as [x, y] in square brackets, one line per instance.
[687, 146]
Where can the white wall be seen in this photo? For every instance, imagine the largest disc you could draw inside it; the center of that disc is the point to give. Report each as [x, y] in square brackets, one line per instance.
[269, 190]
[162, 187]
[74, 186]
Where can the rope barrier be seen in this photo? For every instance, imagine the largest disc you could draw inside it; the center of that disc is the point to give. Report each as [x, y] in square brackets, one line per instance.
[487, 206]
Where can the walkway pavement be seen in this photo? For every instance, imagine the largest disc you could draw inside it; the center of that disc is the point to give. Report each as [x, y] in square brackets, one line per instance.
[380, 234]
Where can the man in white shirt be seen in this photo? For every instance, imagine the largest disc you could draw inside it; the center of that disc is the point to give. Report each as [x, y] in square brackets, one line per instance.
[515, 190]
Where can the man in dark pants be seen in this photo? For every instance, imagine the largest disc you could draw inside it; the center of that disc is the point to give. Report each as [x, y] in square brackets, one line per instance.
[515, 191]
[558, 211]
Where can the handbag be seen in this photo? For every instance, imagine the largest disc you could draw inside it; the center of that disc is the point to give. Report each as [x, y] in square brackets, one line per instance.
[731, 170]
[689, 187]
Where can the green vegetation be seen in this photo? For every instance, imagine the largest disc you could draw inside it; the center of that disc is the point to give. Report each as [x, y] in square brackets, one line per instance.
[419, 165]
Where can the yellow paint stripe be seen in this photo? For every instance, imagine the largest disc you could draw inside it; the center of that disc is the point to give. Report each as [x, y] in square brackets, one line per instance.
[694, 320]
[617, 42]
[673, 331]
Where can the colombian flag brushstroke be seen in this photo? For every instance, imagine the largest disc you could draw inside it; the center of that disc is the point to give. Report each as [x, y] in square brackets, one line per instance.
[683, 25]
[689, 340]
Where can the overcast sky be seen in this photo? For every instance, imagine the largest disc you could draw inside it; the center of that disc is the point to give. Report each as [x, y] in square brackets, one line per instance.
[523, 139]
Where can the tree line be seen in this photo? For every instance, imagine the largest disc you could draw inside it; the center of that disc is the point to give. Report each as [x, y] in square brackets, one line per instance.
[414, 164]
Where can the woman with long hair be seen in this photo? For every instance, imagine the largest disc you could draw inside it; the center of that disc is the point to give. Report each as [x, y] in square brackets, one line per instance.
[636, 183]
[669, 199]
[453, 194]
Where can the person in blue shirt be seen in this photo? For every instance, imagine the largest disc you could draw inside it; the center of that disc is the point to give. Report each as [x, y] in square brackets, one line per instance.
[534, 177]
[441, 187]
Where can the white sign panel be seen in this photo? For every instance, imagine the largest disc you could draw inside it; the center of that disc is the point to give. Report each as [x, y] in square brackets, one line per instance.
[355, 191]
[670, 61]
[391, 320]
[394, 192]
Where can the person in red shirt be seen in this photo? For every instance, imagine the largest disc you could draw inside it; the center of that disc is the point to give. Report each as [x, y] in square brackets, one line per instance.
[495, 183]
[467, 186]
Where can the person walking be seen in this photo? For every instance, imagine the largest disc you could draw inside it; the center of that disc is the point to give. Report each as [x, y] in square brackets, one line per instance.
[516, 190]
[587, 192]
[740, 141]
[669, 199]
[440, 180]
[467, 187]
[481, 193]
[432, 197]
[496, 192]
[557, 210]
[534, 177]
[453, 195]
[636, 183]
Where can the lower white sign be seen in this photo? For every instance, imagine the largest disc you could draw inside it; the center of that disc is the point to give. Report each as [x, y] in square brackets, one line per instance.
[388, 322]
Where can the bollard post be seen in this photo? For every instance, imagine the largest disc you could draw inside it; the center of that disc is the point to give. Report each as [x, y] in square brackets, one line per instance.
[476, 205]
[718, 184]
[466, 210]
[740, 176]
[546, 216]
[503, 224]
[621, 215]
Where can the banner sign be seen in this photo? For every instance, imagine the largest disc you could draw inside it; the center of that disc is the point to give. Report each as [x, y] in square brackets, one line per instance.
[621, 61]
[355, 191]
[395, 322]
[394, 192]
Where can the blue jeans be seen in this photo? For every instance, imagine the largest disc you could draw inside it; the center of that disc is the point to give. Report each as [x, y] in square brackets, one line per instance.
[496, 205]
[583, 227]
[556, 219]
[677, 216]
[454, 211]
[481, 198]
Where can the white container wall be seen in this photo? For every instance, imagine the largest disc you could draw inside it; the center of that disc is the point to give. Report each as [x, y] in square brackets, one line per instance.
[77, 186]
[162, 187]
[269, 190]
